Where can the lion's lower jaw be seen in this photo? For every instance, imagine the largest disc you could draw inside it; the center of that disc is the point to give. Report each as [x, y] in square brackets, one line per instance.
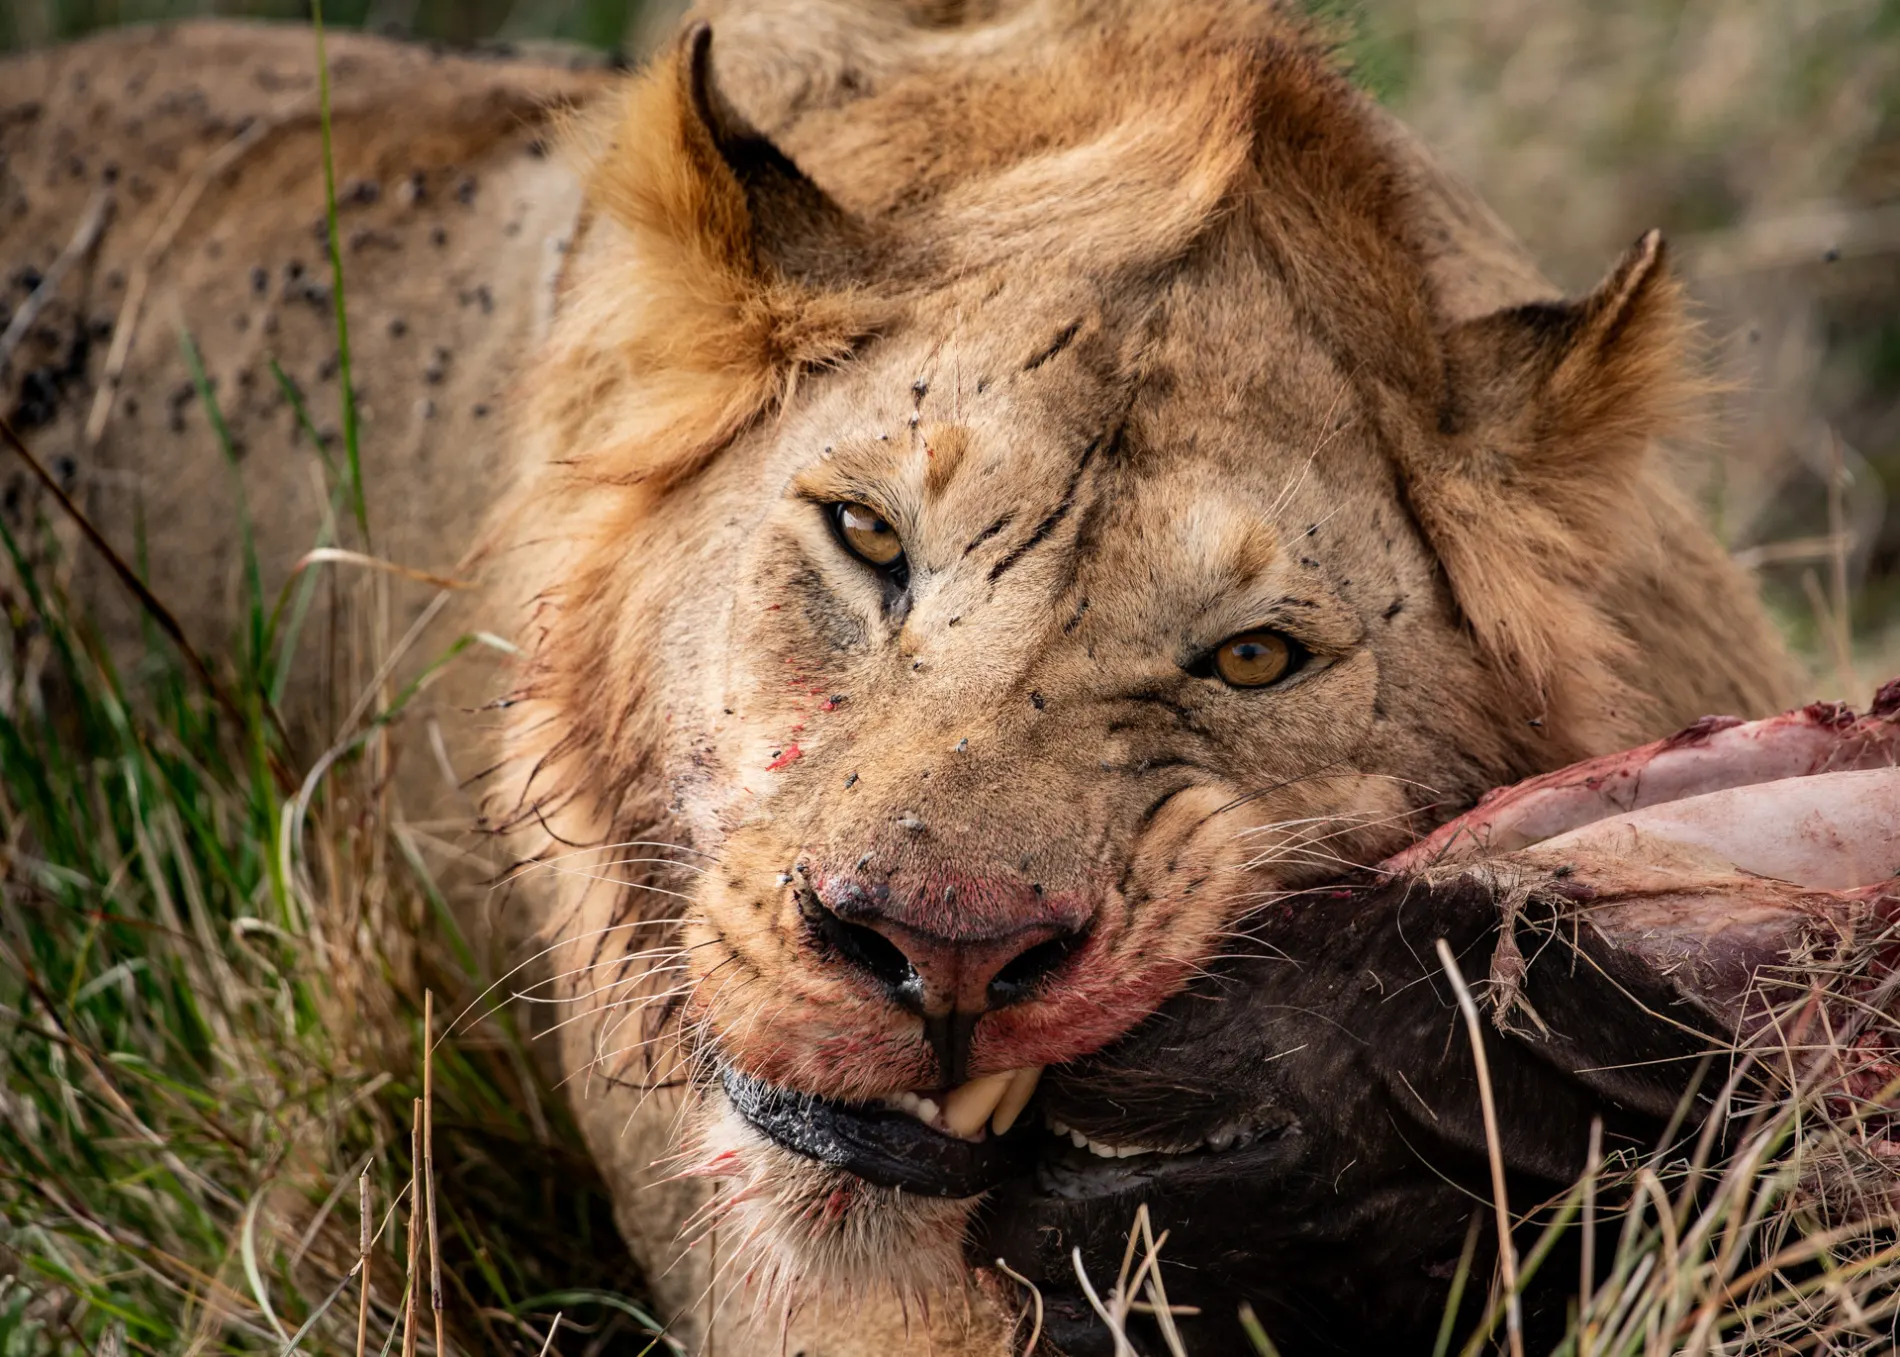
[800, 1235]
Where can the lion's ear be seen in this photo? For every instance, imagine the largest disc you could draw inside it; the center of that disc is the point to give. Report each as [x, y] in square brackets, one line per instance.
[709, 271]
[1562, 387]
[1539, 489]
[792, 226]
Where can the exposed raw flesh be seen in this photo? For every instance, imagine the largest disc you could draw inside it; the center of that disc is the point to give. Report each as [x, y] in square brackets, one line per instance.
[1832, 831]
[1718, 856]
[1716, 753]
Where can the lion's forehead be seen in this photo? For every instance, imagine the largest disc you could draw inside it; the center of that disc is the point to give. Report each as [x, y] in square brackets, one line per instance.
[1161, 483]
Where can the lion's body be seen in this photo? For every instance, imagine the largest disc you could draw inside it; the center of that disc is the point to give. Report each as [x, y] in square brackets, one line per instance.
[205, 140]
[1126, 311]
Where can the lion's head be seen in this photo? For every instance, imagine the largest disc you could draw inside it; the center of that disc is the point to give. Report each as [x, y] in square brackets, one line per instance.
[1070, 484]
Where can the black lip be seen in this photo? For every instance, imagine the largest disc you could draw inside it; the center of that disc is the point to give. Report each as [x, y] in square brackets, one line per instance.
[881, 1145]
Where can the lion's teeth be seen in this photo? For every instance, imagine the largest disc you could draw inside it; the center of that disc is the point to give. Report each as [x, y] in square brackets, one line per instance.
[1022, 1086]
[925, 1111]
[1102, 1149]
[968, 1106]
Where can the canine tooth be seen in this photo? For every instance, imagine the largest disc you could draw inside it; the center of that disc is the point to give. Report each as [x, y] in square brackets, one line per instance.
[967, 1106]
[925, 1110]
[1077, 1139]
[1022, 1084]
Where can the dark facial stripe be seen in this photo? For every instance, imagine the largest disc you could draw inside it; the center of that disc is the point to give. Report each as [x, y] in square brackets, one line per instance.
[1185, 718]
[1054, 517]
[990, 531]
[1056, 346]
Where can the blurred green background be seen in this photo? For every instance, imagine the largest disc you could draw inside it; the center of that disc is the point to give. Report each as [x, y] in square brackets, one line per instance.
[1763, 136]
[598, 23]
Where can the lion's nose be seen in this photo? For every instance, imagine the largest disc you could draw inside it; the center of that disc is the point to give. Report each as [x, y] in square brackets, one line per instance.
[946, 962]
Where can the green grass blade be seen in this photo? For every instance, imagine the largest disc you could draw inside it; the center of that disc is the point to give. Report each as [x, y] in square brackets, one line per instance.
[351, 434]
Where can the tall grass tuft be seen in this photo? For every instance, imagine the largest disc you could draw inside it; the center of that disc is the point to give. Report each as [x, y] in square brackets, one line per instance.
[209, 1029]
[211, 965]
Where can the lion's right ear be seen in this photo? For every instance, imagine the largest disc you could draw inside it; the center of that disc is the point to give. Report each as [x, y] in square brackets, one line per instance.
[708, 272]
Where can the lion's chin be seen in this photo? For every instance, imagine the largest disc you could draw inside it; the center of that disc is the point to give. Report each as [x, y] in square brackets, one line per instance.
[799, 1231]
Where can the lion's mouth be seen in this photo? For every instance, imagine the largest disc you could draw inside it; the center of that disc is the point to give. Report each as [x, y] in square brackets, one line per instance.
[902, 1143]
[917, 1143]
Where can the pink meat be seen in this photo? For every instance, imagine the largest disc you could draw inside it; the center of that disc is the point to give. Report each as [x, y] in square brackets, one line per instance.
[1713, 755]
[1831, 831]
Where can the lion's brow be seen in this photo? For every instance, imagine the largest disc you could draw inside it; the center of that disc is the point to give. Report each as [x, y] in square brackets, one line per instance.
[1053, 518]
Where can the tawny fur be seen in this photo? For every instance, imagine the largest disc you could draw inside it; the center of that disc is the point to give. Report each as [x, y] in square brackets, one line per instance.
[1144, 328]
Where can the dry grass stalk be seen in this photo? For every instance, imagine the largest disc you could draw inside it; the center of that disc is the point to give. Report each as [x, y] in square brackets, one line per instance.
[428, 1165]
[1507, 1250]
[1587, 1268]
[1840, 634]
[125, 328]
[363, 1259]
[417, 1211]
[92, 224]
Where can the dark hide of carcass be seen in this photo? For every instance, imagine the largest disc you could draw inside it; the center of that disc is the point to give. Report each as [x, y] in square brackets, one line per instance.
[1309, 1116]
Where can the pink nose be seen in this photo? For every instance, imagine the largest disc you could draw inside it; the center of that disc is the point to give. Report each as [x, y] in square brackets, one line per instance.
[949, 951]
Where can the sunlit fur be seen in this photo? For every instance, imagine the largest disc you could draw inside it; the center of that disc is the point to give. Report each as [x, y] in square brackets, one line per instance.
[1143, 329]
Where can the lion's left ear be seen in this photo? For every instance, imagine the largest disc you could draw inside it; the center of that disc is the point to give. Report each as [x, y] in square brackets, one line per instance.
[1535, 494]
[1560, 387]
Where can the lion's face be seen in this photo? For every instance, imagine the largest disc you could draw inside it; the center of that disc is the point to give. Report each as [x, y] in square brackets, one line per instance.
[980, 805]
[1004, 573]
[1019, 670]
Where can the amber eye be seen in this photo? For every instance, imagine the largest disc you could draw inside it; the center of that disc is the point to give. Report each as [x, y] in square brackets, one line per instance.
[1254, 659]
[866, 535]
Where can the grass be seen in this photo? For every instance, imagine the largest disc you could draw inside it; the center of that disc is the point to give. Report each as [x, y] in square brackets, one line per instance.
[215, 968]
[1784, 1240]
[210, 1030]
[595, 23]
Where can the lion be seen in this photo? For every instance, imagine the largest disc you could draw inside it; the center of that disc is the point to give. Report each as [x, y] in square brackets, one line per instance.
[986, 495]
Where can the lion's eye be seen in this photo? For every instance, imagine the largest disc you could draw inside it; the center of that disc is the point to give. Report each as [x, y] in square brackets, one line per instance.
[1254, 659]
[866, 535]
